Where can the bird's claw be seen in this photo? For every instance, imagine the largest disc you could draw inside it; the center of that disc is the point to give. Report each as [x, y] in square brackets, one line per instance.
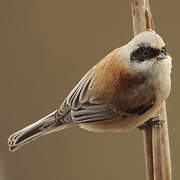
[152, 122]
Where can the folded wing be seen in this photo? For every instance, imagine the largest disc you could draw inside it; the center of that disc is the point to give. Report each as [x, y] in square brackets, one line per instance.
[78, 107]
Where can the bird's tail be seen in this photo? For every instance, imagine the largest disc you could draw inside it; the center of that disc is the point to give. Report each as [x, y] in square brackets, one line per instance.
[42, 127]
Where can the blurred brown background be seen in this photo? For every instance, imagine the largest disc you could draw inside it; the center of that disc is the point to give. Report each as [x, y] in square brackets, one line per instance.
[45, 48]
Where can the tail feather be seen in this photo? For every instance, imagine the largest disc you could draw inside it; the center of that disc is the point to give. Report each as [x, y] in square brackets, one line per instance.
[42, 127]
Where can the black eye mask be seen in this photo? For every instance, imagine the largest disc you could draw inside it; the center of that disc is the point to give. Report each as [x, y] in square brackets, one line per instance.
[144, 53]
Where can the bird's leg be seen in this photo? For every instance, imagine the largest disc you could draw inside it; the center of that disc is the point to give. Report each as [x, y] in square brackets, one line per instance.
[154, 121]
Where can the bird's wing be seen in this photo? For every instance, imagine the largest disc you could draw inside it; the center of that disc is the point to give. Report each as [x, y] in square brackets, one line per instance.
[77, 107]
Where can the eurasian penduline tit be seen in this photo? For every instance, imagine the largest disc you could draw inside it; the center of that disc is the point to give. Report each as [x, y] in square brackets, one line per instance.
[122, 91]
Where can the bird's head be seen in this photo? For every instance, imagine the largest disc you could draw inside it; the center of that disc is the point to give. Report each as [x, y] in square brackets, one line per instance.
[145, 50]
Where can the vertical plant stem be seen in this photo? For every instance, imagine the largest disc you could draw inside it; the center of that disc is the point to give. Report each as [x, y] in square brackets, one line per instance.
[156, 139]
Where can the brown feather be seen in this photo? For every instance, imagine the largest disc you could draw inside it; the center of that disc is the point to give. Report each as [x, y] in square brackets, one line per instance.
[114, 82]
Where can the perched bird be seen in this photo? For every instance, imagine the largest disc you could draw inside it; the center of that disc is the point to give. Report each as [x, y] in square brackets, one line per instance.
[120, 92]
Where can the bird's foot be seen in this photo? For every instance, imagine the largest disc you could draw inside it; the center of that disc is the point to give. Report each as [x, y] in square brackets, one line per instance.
[154, 121]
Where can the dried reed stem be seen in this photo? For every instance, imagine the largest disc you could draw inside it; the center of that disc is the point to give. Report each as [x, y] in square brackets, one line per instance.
[156, 140]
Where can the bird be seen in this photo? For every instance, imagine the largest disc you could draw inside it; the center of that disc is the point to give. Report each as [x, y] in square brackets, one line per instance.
[121, 92]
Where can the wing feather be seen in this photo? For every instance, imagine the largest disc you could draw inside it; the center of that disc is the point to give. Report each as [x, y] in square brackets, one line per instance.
[79, 108]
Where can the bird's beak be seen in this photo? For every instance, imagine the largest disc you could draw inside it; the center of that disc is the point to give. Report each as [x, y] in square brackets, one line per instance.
[161, 56]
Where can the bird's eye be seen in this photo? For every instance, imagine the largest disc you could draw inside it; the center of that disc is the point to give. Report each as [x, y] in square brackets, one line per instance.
[163, 51]
[145, 52]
